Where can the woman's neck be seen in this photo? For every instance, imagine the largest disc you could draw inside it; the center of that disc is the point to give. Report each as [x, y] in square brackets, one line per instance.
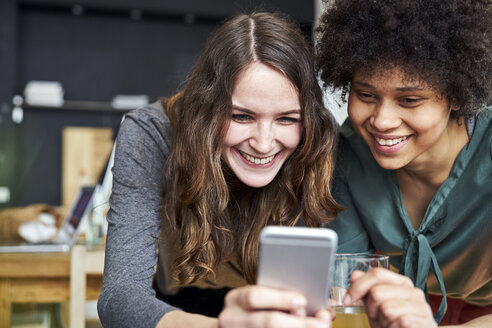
[419, 181]
[434, 166]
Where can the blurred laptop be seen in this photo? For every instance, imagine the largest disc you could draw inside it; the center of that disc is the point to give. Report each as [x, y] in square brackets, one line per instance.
[68, 232]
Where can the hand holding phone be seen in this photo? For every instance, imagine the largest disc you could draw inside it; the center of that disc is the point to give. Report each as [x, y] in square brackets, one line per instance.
[299, 259]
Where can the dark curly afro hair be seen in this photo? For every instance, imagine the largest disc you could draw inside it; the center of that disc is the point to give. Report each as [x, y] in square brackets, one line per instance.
[444, 43]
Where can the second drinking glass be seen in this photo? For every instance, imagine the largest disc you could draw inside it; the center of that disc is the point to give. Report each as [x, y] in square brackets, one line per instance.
[351, 316]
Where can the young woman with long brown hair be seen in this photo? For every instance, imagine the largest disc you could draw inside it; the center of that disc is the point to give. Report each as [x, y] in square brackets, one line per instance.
[245, 144]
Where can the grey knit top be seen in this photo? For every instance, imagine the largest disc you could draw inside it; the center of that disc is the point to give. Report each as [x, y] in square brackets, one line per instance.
[135, 237]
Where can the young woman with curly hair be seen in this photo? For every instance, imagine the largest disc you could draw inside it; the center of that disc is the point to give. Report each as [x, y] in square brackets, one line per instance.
[246, 143]
[414, 169]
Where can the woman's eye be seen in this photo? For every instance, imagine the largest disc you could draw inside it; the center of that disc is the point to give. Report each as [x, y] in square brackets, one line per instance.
[410, 101]
[241, 117]
[364, 96]
[288, 120]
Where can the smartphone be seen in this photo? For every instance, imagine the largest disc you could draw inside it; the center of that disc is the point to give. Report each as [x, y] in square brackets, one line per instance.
[299, 259]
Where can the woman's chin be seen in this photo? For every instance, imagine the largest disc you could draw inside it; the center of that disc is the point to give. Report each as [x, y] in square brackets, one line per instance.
[256, 182]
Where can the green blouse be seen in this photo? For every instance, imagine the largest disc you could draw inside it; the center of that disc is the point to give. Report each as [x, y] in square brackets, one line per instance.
[451, 252]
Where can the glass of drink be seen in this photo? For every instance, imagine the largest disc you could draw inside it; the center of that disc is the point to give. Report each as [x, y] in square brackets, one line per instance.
[353, 316]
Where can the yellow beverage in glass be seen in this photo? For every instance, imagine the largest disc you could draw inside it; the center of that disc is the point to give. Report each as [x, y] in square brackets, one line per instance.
[350, 317]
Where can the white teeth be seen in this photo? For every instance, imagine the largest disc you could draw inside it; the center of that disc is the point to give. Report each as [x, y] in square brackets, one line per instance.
[389, 142]
[257, 160]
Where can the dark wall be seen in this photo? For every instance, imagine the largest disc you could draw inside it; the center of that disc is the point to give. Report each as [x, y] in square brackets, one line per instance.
[99, 50]
[96, 49]
[99, 55]
[7, 77]
[301, 10]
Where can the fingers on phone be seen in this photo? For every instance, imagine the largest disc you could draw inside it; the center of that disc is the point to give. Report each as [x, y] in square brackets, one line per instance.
[263, 298]
[258, 306]
[269, 319]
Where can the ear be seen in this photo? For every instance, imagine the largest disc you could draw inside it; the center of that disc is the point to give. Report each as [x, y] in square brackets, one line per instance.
[453, 107]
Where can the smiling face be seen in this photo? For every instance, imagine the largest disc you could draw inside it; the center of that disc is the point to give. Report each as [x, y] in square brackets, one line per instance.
[265, 127]
[405, 123]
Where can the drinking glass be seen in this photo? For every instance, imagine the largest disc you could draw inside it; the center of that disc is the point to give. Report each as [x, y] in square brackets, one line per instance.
[353, 316]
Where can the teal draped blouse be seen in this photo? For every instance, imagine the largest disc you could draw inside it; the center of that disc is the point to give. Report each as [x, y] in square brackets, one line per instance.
[451, 253]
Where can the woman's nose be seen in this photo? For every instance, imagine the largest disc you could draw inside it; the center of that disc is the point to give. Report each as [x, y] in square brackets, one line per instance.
[385, 116]
[263, 138]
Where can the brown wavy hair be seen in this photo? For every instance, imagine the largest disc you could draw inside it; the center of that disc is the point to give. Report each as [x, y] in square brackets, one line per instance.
[215, 216]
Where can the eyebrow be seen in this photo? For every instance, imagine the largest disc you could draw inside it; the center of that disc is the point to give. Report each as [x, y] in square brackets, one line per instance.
[248, 111]
[367, 85]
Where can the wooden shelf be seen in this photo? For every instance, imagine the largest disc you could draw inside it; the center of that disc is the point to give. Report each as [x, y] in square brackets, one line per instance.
[79, 106]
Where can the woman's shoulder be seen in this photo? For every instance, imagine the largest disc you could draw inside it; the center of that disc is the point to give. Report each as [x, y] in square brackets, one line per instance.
[153, 112]
[150, 120]
[352, 150]
[487, 117]
[482, 132]
[345, 136]
[350, 142]
[145, 128]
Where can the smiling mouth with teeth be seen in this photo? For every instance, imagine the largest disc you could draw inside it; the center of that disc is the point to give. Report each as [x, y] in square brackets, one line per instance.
[256, 160]
[390, 142]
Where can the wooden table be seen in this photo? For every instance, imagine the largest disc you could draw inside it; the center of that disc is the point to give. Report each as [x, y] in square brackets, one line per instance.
[45, 278]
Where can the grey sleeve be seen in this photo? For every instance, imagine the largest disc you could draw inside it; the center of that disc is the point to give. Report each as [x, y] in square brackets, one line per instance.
[127, 298]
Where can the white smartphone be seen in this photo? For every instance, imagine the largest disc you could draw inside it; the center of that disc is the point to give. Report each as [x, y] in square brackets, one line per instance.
[299, 259]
